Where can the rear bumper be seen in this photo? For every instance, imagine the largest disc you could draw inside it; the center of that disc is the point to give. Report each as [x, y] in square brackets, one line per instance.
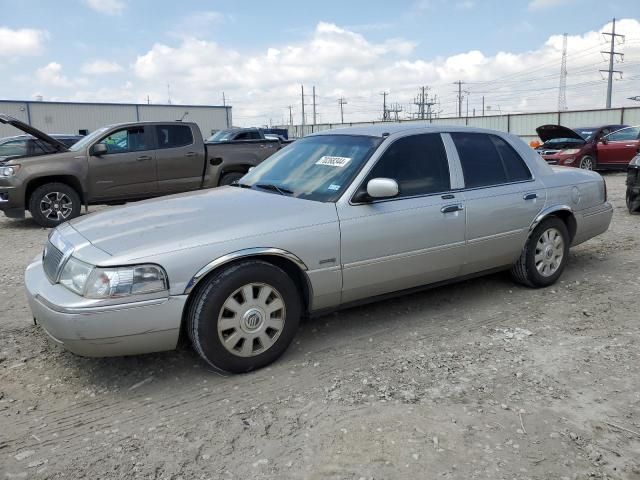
[592, 222]
[114, 330]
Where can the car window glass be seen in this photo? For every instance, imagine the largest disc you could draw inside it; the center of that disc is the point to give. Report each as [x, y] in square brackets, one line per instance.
[172, 136]
[517, 170]
[418, 163]
[630, 133]
[242, 136]
[481, 162]
[130, 139]
[13, 148]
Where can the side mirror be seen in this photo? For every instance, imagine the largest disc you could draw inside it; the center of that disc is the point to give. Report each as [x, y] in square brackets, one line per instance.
[377, 188]
[604, 140]
[99, 149]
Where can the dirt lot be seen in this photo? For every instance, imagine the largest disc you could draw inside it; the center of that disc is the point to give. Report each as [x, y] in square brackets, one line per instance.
[482, 379]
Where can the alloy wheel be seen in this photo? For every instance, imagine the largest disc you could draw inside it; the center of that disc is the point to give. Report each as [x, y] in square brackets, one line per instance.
[56, 206]
[549, 252]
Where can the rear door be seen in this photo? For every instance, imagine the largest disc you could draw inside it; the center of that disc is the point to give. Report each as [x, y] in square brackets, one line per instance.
[256, 146]
[180, 158]
[620, 148]
[413, 239]
[502, 200]
[128, 169]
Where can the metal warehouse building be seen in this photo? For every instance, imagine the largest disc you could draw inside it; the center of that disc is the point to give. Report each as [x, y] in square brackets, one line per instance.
[74, 118]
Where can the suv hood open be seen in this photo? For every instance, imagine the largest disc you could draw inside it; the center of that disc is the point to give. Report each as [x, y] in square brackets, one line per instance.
[549, 132]
[40, 135]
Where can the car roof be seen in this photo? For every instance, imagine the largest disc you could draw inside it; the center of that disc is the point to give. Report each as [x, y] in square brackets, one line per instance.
[384, 129]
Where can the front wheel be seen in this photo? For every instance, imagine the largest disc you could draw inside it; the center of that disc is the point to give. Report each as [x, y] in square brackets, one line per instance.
[586, 163]
[245, 316]
[229, 178]
[54, 203]
[544, 256]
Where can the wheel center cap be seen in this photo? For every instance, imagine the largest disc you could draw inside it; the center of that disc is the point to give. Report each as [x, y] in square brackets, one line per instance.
[549, 251]
[252, 320]
[56, 206]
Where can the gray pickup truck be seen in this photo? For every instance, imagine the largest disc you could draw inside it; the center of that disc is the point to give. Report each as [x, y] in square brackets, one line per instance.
[118, 163]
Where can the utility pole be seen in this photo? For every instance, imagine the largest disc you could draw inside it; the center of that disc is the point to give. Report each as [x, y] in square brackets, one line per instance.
[612, 53]
[169, 93]
[483, 105]
[385, 112]
[342, 102]
[302, 98]
[224, 100]
[467, 94]
[291, 115]
[148, 100]
[314, 104]
[562, 90]
[459, 83]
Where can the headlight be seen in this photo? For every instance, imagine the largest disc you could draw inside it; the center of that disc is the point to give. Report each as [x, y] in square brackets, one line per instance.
[9, 171]
[570, 151]
[100, 283]
[635, 161]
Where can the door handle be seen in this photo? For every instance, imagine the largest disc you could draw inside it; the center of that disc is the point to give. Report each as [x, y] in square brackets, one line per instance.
[452, 208]
[530, 196]
[190, 154]
[143, 158]
[448, 196]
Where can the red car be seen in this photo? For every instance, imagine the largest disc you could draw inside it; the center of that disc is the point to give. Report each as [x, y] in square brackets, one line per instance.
[617, 149]
[578, 147]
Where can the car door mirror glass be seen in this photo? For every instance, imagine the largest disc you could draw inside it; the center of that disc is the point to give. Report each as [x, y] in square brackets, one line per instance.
[382, 188]
[99, 149]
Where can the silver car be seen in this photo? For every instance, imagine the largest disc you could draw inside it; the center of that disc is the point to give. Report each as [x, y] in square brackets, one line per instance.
[334, 219]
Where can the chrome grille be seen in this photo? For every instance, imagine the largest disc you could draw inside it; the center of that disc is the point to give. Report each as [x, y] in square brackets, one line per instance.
[51, 260]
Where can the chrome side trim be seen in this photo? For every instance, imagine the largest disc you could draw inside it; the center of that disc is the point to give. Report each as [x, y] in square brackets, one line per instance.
[545, 212]
[400, 256]
[510, 233]
[101, 308]
[249, 252]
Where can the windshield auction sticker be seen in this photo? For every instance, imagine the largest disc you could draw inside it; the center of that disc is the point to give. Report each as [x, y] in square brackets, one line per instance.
[339, 162]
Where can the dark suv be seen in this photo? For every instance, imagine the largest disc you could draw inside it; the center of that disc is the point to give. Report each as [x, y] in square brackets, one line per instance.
[30, 146]
[572, 147]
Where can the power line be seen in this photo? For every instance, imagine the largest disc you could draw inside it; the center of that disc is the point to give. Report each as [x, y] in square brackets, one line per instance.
[612, 54]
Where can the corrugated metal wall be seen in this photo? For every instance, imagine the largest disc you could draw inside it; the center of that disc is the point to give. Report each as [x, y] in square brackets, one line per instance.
[54, 117]
[523, 125]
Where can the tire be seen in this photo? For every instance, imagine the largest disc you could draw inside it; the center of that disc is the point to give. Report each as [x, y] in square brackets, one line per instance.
[237, 334]
[54, 203]
[552, 255]
[229, 178]
[587, 163]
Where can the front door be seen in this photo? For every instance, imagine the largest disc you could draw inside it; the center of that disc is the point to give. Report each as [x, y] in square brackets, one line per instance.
[410, 240]
[502, 197]
[128, 169]
[619, 149]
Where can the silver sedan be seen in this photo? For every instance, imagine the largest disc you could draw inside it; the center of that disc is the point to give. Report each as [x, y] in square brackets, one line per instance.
[334, 219]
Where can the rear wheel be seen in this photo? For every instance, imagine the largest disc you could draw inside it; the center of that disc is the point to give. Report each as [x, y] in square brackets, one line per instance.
[245, 316]
[586, 163]
[54, 203]
[229, 178]
[544, 256]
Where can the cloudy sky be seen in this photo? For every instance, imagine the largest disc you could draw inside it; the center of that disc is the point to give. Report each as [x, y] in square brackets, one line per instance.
[259, 53]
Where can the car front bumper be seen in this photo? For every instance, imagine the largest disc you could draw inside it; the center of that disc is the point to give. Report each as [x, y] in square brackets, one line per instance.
[102, 331]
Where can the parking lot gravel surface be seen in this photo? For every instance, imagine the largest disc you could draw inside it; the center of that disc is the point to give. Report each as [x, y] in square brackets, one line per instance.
[480, 379]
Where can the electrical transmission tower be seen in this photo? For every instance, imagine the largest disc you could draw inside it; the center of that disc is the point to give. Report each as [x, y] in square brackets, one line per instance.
[342, 102]
[395, 109]
[612, 54]
[424, 104]
[385, 112]
[460, 95]
[562, 90]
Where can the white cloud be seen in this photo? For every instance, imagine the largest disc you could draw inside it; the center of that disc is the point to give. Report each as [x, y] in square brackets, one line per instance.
[543, 4]
[465, 5]
[51, 75]
[107, 7]
[340, 62]
[101, 67]
[23, 41]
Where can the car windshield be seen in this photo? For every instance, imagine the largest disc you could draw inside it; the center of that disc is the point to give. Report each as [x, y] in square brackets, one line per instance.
[13, 148]
[86, 141]
[221, 136]
[585, 133]
[555, 141]
[315, 168]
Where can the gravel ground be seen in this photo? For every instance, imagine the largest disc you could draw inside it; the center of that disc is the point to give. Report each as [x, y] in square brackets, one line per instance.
[482, 379]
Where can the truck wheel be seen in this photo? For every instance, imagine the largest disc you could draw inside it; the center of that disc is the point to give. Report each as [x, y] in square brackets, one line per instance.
[54, 203]
[229, 178]
[244, 317]
[586, 163]
[544, 256]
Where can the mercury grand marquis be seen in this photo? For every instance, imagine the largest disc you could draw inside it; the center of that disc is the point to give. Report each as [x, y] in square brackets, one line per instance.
[334, 219]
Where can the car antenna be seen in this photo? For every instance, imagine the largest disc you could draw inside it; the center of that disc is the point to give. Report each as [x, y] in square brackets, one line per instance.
[186, 112]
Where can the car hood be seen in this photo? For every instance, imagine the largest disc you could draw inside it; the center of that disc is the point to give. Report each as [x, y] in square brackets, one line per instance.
[549, 132]
[190, 220]
[26, 128]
